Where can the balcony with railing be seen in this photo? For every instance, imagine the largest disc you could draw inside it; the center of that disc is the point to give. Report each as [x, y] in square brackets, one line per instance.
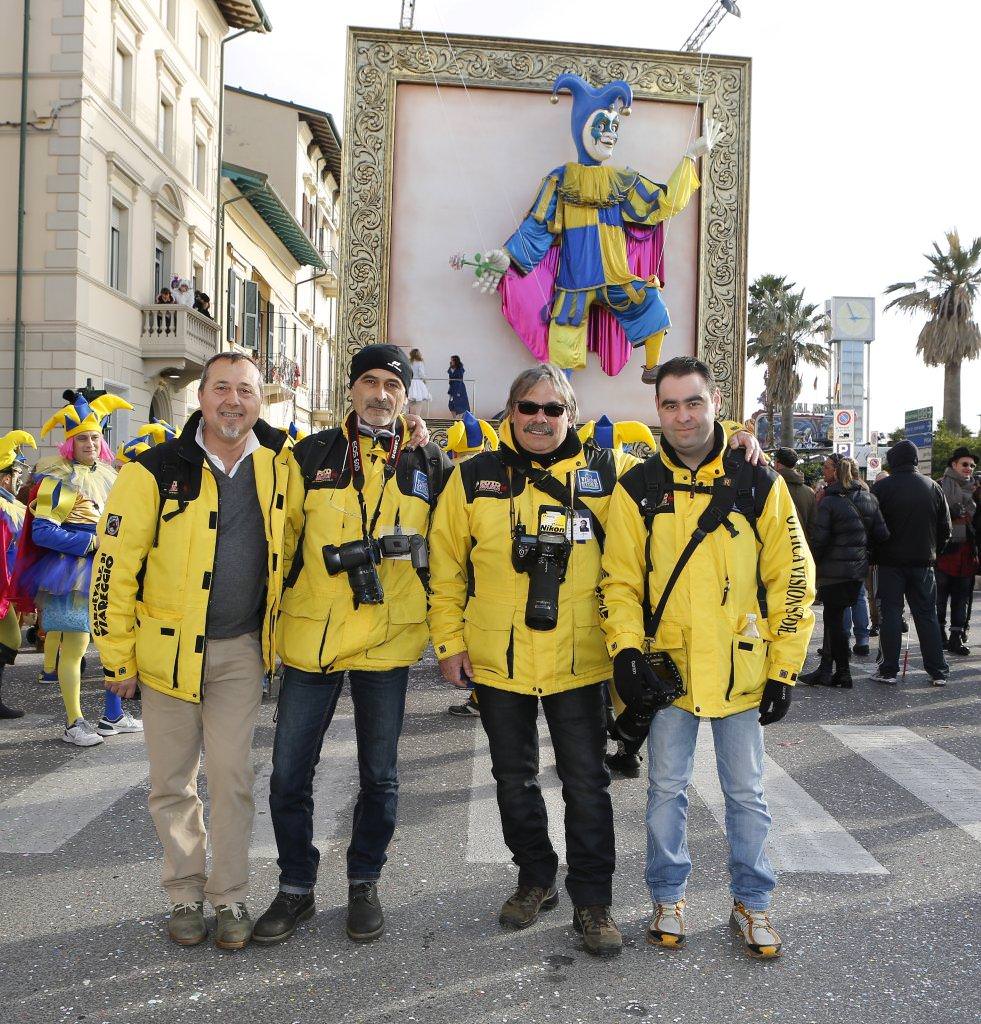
[281, 377]
[176, 341]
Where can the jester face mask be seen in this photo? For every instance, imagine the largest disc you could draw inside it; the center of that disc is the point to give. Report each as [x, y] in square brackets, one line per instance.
[600, 133]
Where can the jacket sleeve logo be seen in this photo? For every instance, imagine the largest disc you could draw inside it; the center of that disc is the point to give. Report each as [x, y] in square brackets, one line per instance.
[420, 485]
[491, 487]
[113, 523]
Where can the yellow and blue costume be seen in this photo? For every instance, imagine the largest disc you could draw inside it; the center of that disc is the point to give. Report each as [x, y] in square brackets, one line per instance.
[589, 209]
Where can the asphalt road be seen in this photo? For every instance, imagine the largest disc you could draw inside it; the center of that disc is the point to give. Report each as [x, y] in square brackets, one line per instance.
[876, 797]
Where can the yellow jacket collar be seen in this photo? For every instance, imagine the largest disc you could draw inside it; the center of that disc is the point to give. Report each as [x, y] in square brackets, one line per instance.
[576, 461]
[711, 465]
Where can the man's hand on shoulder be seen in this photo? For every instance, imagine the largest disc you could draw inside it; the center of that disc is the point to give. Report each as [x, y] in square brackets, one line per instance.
[419, 431]
[754, 451]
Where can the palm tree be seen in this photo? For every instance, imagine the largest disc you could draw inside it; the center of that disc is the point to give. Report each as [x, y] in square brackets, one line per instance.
[783, 326]
[946, 294]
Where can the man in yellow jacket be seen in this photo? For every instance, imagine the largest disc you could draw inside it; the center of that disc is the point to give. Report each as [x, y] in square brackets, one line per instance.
[735, 623]
[185, 591]
[515, 548]
[354, 604]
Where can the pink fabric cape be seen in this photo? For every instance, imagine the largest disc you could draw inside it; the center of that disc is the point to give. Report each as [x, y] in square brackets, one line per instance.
[526, 300]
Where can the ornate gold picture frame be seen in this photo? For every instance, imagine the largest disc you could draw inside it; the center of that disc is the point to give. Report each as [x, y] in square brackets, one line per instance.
[378, 61]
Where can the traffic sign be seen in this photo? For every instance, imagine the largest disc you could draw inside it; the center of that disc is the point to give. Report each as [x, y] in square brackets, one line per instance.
[873, 467]
[844, 425]
[845, 448]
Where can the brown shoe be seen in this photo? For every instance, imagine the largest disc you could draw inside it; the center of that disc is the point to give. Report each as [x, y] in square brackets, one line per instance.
[521, 910]
[233, 926]
[600, 934]
[187, 926]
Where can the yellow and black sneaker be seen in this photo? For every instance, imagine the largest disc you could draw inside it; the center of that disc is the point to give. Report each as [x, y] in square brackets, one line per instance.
[667, 927]
[762, 939]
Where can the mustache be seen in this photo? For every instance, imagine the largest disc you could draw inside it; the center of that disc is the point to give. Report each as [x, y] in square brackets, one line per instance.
[377, 403]
[539, 428]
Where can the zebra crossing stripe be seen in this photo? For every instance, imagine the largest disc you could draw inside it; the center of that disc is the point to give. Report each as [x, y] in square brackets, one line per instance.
[935, 777]
[58, 805]
[334, 786]
[804, 837]
[485, 840]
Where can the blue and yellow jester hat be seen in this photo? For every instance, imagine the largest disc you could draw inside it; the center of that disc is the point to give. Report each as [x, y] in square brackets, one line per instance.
[151, 434]
[295, 433]
[607, 434]
[10, 448]
[81, 415]
[586, 101]
[467, 436]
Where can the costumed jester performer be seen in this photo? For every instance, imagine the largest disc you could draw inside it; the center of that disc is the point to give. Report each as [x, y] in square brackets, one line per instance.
[12, 514]
[592, 245]
[149, 436]
[56, 551]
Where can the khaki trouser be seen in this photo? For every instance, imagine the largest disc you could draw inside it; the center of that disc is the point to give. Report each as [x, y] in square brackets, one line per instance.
[174, 730]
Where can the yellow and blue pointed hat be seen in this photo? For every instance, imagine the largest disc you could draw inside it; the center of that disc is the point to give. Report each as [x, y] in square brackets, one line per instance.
[83, 415]
[469, 435]
[151, 434]
[604, 433]
[294, 432]
[10, 448]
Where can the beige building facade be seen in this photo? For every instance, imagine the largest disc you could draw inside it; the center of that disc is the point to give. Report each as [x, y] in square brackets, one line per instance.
[121, 173]
[297, 150]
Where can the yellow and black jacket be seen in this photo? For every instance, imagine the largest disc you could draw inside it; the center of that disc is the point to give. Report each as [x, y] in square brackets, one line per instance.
[157, 541]
[320, 630]
[706, 612]
[478, 600]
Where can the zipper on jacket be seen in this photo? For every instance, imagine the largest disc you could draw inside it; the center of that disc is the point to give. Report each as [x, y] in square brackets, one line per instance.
[207, 611]
[510, 654]
[725, 593]
[732, 674]
[323, 642]
[177, 659]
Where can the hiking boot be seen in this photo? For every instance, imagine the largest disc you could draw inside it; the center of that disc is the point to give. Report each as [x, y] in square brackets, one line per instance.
[187, 926]
[233, 926]
[365, 920]
[957, 643]
[878, 676]
[761, 938]
[285, 912]
[600, 935]
[623, 763]
[667, 927]
[522, 908]
[468, 709]
[125, 723]
[81, 734]
[649, 375]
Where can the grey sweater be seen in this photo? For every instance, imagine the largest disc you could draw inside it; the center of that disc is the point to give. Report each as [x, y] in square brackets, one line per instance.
[238, 586]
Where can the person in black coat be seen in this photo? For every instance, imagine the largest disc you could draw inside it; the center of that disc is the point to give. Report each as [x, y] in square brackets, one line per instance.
[847, 522]
[916, 512]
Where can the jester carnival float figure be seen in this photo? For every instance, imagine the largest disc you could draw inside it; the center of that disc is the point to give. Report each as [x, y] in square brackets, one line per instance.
[12, 513]
[591, 246]
[55, 554]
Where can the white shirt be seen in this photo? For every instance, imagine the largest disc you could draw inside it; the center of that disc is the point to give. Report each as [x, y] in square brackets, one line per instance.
[251, 443]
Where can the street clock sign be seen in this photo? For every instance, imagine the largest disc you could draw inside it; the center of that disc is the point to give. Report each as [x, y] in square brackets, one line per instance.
[852, 318]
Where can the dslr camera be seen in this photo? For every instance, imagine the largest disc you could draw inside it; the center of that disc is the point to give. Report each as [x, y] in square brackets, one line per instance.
[544, 556]
[358, 559]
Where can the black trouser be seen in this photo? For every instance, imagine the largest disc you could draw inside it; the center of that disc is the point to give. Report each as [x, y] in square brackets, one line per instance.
[959, 590]
[837, 597]
[918, 586]
[577, 724]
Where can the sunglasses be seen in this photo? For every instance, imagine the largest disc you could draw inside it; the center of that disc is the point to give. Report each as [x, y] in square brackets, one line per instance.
[553, 410]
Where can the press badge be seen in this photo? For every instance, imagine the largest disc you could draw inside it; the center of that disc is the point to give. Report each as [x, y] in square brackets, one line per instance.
[582, 528]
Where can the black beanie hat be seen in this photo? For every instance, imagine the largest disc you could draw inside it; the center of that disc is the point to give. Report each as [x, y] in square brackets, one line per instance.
[381, 357]
[902, 453]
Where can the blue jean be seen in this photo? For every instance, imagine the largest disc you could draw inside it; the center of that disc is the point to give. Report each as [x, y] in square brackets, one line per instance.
[306, 706]
[739, 759]
[858, 615]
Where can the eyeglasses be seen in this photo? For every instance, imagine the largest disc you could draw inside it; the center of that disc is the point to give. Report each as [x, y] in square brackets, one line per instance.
[553, 410]
[969, 465]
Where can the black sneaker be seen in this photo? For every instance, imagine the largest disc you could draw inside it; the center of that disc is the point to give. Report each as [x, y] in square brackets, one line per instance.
[957, 643]
[285, 912]
[861, 650]
[365, 920]
[468, 709]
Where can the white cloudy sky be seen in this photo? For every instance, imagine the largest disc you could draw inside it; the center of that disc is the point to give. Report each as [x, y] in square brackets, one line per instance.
[865, 135]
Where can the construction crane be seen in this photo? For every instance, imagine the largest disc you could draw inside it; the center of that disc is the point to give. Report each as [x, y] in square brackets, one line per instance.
[709, 23]
[408, 13]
